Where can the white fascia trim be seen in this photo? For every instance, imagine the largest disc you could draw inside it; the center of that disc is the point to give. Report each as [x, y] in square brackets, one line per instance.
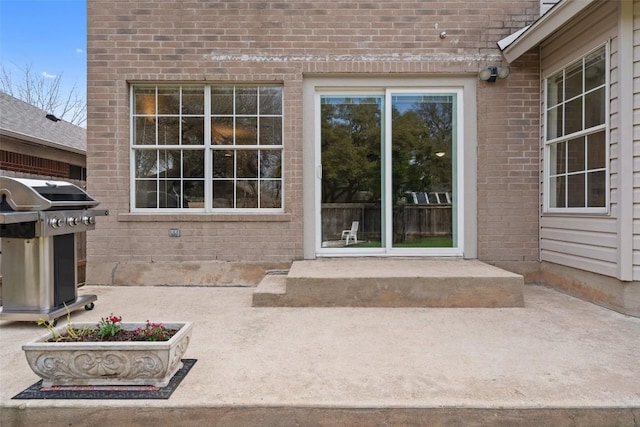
[43, 142]
[518, 43]
[507, 41]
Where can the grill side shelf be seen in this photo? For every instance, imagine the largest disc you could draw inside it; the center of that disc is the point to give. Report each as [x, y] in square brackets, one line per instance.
[14, 217]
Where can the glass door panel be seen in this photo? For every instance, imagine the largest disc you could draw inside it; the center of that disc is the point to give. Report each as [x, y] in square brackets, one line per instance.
[351, 187]
[422, 175]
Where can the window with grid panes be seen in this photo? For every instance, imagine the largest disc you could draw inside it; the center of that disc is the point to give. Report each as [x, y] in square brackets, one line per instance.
[576, 143]
[207, 148]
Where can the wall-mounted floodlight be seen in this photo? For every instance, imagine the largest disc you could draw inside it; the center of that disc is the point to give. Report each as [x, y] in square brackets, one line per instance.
[491, 73]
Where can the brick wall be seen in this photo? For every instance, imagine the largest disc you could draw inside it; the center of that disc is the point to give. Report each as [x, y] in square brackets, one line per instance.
[259, 41]
[24, 163]
[509, 165]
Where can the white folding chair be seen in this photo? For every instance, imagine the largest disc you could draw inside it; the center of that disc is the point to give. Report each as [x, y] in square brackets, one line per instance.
[352, 233]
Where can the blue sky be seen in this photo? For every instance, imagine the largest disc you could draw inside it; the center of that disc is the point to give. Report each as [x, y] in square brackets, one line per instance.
[48, 35]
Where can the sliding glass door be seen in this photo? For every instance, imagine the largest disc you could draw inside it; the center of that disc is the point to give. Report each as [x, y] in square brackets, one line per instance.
[388, 181]
[351, 128]
[422, 180]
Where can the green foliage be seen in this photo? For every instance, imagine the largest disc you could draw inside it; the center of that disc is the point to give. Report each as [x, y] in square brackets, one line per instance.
[351, 144]
[352, 138]
[418, 134]
[71, 331]
[153, 332]
[55, 336]
[109, 327]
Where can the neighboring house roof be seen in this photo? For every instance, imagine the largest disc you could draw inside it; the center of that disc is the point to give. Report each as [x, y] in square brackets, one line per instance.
[26, 122]
[530, 36]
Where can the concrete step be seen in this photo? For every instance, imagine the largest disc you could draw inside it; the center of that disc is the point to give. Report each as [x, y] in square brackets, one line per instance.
[391, 282]
[270, 291]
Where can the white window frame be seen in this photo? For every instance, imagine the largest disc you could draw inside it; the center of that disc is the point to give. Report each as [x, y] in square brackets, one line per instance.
[548, 143]
[208, 148]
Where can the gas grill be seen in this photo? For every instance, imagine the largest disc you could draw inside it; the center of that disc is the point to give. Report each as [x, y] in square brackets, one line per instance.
[38, 223]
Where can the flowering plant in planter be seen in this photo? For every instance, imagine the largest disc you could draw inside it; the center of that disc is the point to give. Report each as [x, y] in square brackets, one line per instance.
[154, 332]
[110, 329]
[110, 326]
[110, 353]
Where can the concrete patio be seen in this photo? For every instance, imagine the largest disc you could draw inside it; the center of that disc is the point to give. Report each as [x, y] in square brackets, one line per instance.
[555, 361]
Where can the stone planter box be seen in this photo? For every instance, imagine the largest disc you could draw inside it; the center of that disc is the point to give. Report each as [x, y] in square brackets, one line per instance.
[150, 363]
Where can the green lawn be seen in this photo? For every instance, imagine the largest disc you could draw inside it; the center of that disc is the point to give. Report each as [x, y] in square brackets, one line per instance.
[427, 242]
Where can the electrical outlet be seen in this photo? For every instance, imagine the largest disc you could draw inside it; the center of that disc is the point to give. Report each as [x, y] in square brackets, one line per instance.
[174, 232]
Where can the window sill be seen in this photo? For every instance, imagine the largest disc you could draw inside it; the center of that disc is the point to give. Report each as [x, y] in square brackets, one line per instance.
[204, 217]
[576, 213]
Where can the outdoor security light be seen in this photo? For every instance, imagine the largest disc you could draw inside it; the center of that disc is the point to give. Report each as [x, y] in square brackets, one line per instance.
[491, 73]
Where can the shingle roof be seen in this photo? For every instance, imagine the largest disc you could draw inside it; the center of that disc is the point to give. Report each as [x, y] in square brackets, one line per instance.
[20, 119]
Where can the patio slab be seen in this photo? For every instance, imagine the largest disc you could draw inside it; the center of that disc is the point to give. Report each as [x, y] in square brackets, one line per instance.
[555, 361]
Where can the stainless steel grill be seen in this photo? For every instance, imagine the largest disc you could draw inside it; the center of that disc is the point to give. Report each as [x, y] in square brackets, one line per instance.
[38, 223]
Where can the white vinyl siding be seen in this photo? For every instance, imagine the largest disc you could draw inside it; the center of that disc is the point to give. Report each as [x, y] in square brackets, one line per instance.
[636, 141]
[588, 242]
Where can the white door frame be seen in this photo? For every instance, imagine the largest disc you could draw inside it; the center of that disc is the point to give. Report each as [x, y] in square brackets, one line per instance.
[465, 91]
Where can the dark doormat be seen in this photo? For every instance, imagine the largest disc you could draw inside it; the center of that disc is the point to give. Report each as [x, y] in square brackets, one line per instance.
[36, 391]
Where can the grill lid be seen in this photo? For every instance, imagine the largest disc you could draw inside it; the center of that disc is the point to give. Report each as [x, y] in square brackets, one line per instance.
[20, 194]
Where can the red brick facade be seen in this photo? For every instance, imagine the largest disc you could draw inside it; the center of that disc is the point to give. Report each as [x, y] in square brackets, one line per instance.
[23, 163]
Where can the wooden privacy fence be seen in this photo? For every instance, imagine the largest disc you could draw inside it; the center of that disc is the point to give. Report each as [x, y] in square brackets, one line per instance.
[409, 221]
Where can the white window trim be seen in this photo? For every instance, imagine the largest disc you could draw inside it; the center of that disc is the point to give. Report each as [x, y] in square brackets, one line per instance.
[547, 143]
[208, 208]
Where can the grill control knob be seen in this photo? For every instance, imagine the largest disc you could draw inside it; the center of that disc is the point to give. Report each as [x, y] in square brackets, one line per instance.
[72, 221]
[89, 220]
[55, 222]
